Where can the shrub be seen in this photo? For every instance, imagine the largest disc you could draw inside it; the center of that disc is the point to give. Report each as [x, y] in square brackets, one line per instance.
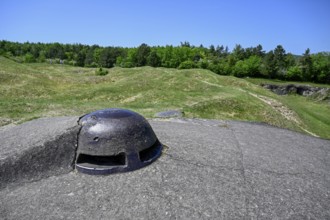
[101, 72]
[203, 64]
[294, 73]
[187, 65]
[28, 58]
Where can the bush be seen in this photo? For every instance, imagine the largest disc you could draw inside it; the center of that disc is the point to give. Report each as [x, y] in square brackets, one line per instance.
[214, 68]
[93, 64]
[71, 62]
[187, 65]
[28, 58]
[101, 72]
[8, 55]
[247, 67]
[203, 64]
[294, 73]
[240, 69]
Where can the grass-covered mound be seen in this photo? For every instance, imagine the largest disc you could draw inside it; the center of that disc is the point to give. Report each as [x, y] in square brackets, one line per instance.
[36, 90]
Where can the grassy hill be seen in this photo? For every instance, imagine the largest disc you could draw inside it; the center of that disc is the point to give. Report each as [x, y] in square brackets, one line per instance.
[29, 91]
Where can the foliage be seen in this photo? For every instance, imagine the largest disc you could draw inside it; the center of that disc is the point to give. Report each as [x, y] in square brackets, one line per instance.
[306, 66]
[321, 67]
[268, 67]
[280, 61]
[294, 73]
[240, 62]
[142, 55]
[101, 72]
[187, 65]
[29, 58]
[153, 59]
[247, 67]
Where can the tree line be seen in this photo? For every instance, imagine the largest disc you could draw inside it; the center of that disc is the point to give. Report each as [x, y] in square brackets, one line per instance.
[240, 62]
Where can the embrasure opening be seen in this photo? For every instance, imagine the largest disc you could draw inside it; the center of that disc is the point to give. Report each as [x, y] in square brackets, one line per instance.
[151, 152]
[114, 160]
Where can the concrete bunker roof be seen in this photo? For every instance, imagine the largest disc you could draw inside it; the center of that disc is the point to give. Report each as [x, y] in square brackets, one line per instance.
[209, 169]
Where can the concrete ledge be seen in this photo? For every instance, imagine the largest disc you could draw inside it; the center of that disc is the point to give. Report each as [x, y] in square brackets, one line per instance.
[37, 149]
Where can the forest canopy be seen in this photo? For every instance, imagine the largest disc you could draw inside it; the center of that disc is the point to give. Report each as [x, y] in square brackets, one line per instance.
[240, 62]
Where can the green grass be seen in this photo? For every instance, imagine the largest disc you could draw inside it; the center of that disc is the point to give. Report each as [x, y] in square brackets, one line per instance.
[29, 91]
[313, 113]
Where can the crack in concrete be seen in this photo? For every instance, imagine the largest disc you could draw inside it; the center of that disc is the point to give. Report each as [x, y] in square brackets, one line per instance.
[73, 164]
[241, 170]
[171, 206]
[246, 185]
[287, 173]
[200, 164]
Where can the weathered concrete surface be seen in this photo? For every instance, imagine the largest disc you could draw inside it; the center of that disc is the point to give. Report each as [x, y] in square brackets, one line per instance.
[210, 170]
[37, 149]
[169, 114]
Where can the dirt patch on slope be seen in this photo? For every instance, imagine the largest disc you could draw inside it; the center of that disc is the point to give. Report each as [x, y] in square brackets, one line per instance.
[283, 110]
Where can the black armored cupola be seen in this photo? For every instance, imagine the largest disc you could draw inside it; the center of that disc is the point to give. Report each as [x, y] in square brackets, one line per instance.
[115, 140]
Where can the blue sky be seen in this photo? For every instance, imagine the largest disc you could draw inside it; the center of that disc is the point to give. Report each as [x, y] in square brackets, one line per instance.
[295, 24]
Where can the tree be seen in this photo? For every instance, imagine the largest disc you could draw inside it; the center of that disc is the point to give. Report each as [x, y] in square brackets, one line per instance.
[294, 73]
[69, 55]
[203, 64]
[97, 55]
[252, 61]
[306, 66]
[238, 52]
[187, 65]
[212, 50]
[89, 59]
[35, 51]
[108, 56]
[2, 47]
[42, 56]
[247, 67]
[257, 51]
[185, 44]
[80, 58]
[321, 67]
[28, 58]
[55, 50]
[253, 64]
[220, 67]
[165, 54]
[268, 67]
[279, 59]
[290, 60]
[221, 51]
[153, 59]
[179, 55]
[240, 69]
[142, 54]
[127, 60]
